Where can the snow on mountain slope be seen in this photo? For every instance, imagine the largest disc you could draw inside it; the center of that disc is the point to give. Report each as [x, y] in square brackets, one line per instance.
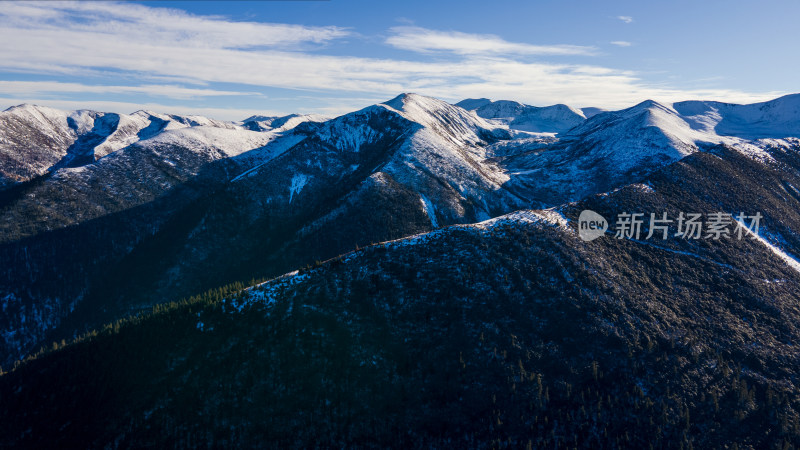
[549, 119]
[280, 123]
[127, 130]
[97, 135]
[32, 139]
[122, 200]
[423, 142]
[613, 148]
[226, 142]
[693, 124]
[456, 123]
[348, 133]
[35, 139]
[628, 137]
[473, 168]
[778, 118]
[590, 112]
[469, 167]
[128, 177]
[176, 121]
[522, 144]
[280, 199]
[605, 151]
[288, 122]
[382, 172]
[445, 160]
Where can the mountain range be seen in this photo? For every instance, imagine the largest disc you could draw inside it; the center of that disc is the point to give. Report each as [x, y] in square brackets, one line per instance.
[410, 274]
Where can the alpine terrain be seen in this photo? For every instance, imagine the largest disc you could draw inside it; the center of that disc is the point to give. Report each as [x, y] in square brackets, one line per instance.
[414, 274]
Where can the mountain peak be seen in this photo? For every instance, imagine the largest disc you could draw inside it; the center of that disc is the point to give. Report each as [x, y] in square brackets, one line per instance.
[777, 118]
[401, 101]
[519, 116]
[280, 123]
[473, 103]
[20, 106]
[647, 104]
[33, 109]
[429, 111]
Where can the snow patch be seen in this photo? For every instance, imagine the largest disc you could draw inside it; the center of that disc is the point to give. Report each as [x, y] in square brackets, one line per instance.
[790, 260]
[273, 149]
[268, 292]
[547, 216]
[298, 183]
[427, 206]
[643, 187]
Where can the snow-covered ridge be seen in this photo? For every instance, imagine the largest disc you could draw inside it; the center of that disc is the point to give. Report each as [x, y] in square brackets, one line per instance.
[268, 292]
[790, 260]
[40, 114]
[179, 121]
[646, 130]
[350, 131]
[549, 119]
[778, 118]
[550, 217]
[32, 139]
[449, 120]
[456, 160]
[35, 139]
[230, 142]
[280, 123]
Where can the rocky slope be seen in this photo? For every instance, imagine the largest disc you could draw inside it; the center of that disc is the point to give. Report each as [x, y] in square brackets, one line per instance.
[509, 332]
[194, 204]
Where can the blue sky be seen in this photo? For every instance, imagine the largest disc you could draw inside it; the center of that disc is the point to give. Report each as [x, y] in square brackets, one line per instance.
[229, 60]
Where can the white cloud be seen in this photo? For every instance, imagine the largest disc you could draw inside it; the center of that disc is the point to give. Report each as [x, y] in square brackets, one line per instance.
[124, 41]
[626, 19]
[542, 84]
[621, 43]
[169, 91]
[424, 40]
[129, 23]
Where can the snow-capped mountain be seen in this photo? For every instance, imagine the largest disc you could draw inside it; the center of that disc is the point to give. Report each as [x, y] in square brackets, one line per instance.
[613, 148]
[32, 139]
[426, 145]
[635, 136]
[513, 330]
[408, 165]
[591, 111]
[132, 175]
[549, 119]
[779, 118]
[280, 123]
[231, 203]
[35, 140]
[416, 253]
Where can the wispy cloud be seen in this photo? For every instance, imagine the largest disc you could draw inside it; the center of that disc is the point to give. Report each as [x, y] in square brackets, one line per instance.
[424, 40]
[626, 19]
[621, 43]
[166, 50]
[129, 23]
[16, 88]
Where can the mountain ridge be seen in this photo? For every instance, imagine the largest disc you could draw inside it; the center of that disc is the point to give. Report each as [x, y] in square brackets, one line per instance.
[265, 202]
[510, 331]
